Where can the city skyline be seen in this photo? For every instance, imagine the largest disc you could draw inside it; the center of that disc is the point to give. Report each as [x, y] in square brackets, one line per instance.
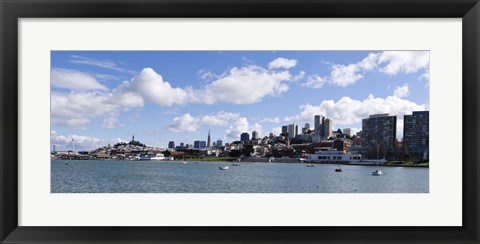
[104, 97]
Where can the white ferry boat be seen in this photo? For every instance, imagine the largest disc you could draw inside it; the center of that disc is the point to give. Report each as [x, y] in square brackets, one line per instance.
[158, 157]
[332, 156]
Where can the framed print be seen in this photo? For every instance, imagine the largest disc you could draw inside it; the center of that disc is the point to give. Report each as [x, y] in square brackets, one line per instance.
[255, 122]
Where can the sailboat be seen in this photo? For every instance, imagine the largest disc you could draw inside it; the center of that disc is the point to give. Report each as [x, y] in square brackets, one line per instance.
[338, 169]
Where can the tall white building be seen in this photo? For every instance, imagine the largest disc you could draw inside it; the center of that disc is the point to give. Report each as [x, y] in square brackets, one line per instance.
[327, 128]
[292, 130]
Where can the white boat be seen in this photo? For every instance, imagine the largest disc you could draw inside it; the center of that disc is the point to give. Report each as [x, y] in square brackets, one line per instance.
[223, 167]
[332, 156]
[184, 162]
[310, 165]
[377, 172]
[158, 157]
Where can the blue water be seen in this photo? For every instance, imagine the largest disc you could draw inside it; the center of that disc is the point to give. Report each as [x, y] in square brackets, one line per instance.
[204, 177]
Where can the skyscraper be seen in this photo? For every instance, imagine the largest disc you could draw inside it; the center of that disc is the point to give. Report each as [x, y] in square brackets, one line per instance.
[254, 135]
[416, 134]
[292, 130]
[318, 125]
[171, 144]
[380, 129]
[327, 128]
[208, 139]
[285, 129]
[219, 143]
[244, 137]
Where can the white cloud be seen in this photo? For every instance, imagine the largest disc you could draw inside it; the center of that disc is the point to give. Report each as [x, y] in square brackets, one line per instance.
[282, 63]
[79, 142]
[187, 122]
[388, 62]
[403, 61]
[151, 87]
[95, 62]
[76, 109]
[74, 80]
[244, 85]
[401, 91]
[345, 75]
[184, 123]
[277, 130]
[315, 81]
[299, 76]
[234, 123]
[348, 111]
[270, 120]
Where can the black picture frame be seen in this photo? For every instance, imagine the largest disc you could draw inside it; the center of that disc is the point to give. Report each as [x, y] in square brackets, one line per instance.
[12, 10]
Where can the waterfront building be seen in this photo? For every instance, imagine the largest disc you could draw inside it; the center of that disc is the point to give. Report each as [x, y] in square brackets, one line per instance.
[327, 128]
[171, 144]
[244, 137]
[254, 135]
[416, 134]
[182, 144]
[318, 125]
[341, 144]
[380, 130]
[219, 143]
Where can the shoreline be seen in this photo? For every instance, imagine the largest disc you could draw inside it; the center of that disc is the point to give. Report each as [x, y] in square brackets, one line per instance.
[290, 161]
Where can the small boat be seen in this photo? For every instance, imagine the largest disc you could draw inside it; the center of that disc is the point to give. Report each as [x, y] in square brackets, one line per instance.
[184, 162]
[223, 167]
[310, 165]
[377, 172]
[236, 165]
[338, 169]
[66, 162]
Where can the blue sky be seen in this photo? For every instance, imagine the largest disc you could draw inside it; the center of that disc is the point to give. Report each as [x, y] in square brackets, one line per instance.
[103, 97]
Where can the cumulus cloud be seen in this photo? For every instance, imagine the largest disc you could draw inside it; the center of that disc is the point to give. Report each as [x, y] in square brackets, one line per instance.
[403, 61]
[347, 111]
[245, 85]
[189, 123]
[78, 142]
[151, 87]
[76, 109]
[401, 91]
[184, 123]
[234, 123]
[74, 80]
[282, 63]
[387, 62]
